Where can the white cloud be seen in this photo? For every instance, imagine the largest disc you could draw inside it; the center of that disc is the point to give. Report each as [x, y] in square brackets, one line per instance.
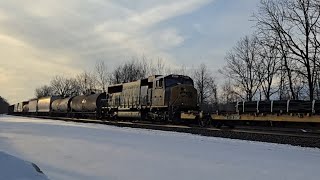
[166, 11]
[132, 31]
[42, 38]
[23, 68]
[167, 38]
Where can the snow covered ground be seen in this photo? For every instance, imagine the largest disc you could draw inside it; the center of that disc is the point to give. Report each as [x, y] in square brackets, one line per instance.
[13, 168]
[75, 151]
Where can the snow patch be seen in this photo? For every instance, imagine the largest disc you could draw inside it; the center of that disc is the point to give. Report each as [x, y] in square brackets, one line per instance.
[13, 168]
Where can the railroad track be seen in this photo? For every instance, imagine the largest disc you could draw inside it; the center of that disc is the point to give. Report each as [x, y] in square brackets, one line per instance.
[285, 136]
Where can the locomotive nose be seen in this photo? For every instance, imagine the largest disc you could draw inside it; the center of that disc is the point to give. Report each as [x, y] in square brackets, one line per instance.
[183, 92]
[183, 95]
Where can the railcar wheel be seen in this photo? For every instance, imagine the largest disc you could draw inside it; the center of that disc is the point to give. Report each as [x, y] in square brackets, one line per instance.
[204, 122]
[217, 124]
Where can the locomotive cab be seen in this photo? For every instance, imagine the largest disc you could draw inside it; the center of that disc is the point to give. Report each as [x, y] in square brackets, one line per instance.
[174, 90]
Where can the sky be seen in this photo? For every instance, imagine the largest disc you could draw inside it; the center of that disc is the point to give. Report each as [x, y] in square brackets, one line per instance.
[43, 38]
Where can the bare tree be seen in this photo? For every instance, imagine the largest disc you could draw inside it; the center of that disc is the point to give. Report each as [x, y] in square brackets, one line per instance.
[60, 85]
[205, 84]
[64, 87]
[242, 67]
[269, 66]
[74, 87]
[3, 105]
[287, 73]
[116, 76]
[44, 91]
[86, 82]
[182, 70]
[155, 67]
[296, 24]
[228, 94]
[160, 66]
[213, 88]
[129, 71]
[102, 75]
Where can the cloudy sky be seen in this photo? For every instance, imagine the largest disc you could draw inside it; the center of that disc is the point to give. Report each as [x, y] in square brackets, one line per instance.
[42, 38]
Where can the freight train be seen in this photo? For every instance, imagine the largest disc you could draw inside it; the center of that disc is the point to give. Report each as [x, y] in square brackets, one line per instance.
[170, 98]
[156, 98]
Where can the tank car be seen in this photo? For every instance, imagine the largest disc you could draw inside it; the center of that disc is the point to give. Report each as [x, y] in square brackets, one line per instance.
[87, 105]
[61, 106]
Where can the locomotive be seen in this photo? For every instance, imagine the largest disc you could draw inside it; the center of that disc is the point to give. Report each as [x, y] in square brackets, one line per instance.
[156, 98]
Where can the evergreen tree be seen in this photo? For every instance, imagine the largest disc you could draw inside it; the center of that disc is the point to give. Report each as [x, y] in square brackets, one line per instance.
[3, 105]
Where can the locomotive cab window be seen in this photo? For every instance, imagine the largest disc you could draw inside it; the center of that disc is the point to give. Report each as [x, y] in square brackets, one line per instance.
[159, 83]
[173, 81]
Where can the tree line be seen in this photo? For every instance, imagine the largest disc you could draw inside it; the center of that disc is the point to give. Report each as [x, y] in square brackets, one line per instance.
[280, 60]
[3, 105]
[131, 70]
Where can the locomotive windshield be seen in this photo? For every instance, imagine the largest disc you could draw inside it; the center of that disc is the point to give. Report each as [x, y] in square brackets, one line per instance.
[173, 81]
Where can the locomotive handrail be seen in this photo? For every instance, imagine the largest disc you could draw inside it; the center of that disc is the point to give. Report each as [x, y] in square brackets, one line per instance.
[237, 107]
[313, 104]
[243, 106]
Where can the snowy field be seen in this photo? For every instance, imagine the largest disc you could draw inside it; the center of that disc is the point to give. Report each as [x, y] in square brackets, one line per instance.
[13, 168]
[74, 151]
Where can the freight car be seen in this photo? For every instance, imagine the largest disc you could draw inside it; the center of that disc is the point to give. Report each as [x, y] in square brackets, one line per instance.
[61, 107]
[87, 105]
[33, 107]
[44, 105]
[282, 112]
[18, 108]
